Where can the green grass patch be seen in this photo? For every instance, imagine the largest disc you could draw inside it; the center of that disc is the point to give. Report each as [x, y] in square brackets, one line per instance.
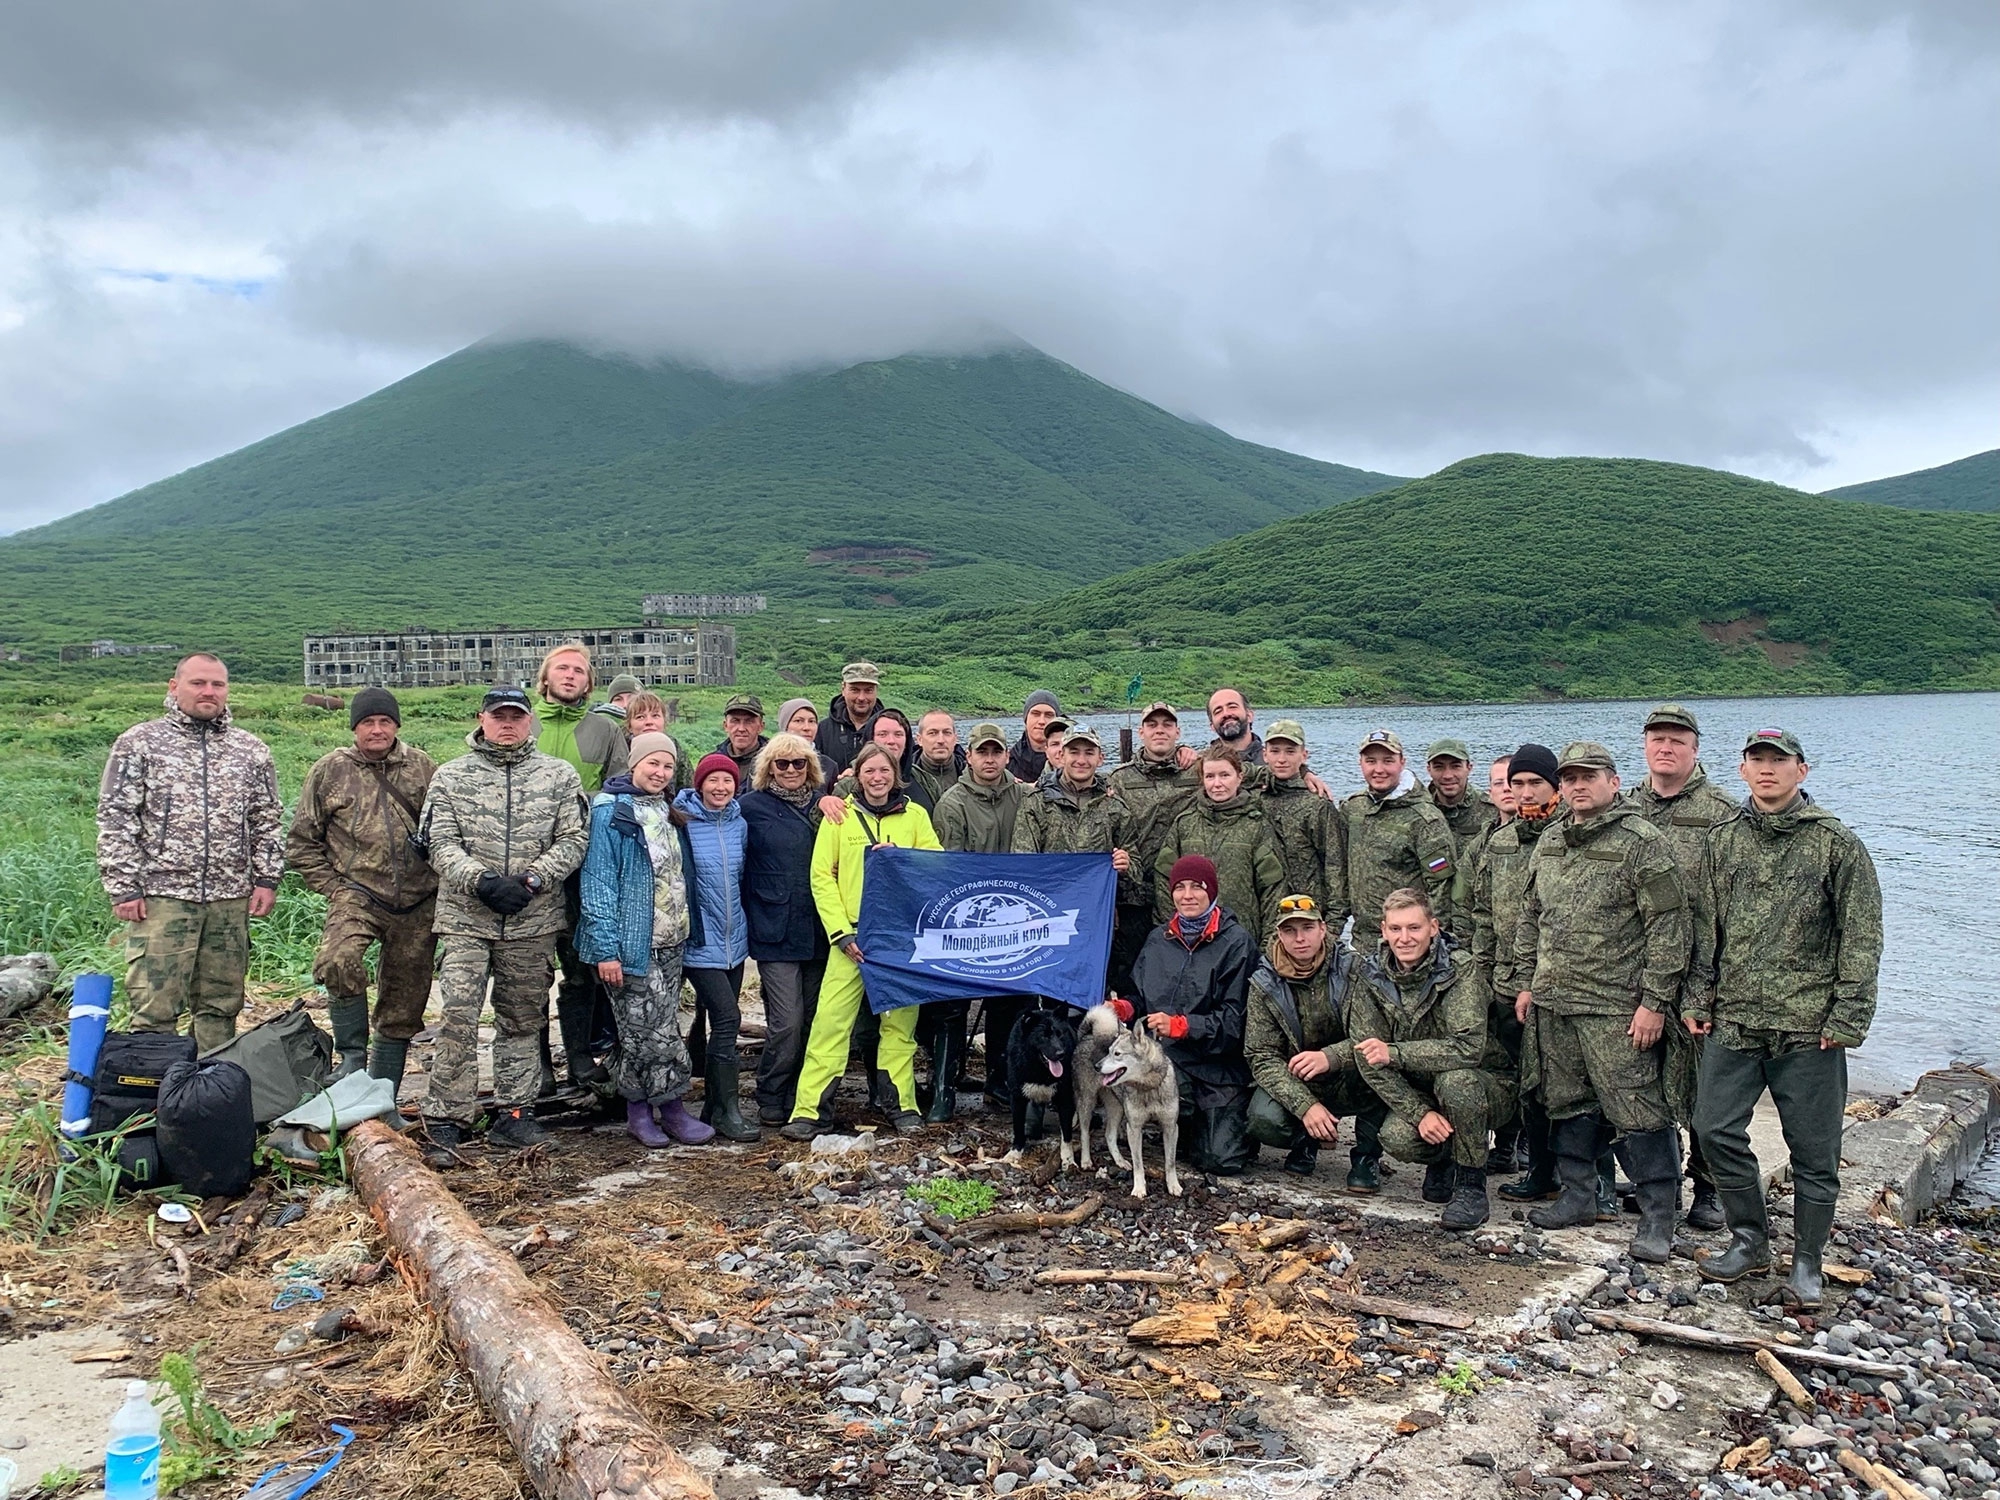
[958, 1198]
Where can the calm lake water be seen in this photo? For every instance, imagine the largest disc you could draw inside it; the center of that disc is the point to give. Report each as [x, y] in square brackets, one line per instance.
[1916, 777]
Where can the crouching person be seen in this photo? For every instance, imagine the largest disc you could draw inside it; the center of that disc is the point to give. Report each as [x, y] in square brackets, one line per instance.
[1296, 1044]
[641, 915]
[1419, 1026]
[1192, 981]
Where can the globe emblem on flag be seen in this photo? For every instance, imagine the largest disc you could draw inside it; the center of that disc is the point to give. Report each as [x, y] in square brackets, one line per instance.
[991, 909]
[998, 929]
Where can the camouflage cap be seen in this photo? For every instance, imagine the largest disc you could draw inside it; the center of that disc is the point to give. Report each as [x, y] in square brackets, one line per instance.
[502, 696]
[744, 703]
[986, 732]
[1781, 740]
[1057, 725]
[1287, 729]
[1159, 708]
[1671, 716]
[1299, 909]
[1082, 734]
[1586, 754]
[1382, 739]
[1448, 749]
[861, 671]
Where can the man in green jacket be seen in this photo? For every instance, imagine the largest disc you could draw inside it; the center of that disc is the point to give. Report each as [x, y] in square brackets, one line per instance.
[1420, 1039]
[1392, 837]
[1788, 939]
[1468, 810]
[1604, 919]
[1077, 812]
[1304, 825]
[1296, 1042]
[1157, 785]
[1677, 798]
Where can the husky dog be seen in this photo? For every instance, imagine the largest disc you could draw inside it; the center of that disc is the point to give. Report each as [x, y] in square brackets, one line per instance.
[1139, 1083]
[1094, 1038]
[1038, 1055]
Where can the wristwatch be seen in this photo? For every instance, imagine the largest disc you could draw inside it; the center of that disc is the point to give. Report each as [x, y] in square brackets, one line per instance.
[533, 882]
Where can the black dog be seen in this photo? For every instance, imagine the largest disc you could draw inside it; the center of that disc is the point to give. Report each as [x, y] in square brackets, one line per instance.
[1038, 1057]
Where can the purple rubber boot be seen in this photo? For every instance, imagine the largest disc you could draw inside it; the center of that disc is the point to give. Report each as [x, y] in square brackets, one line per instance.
[682, 1126]
[639, 1125]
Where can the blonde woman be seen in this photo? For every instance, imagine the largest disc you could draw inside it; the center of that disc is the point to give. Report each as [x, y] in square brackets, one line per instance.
[786, 938]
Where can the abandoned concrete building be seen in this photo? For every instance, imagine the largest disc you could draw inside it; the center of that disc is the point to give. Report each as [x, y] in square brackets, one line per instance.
[695, 655]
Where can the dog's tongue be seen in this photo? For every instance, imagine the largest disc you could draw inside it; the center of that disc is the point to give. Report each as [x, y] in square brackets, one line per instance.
[1055, 1068]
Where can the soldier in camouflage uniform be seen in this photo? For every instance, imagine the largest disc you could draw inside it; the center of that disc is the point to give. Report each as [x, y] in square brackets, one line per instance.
[1296, 1043]
[353, 840]
[505, 826]
[1605, 921]
[188, 850]
[1156, 786]
[1469, 811]
[1392, 837]
[1418, 1020]
[1077, 812]
[1678, 799]
[1229, 827]
[1788, 938]
[1304, 824]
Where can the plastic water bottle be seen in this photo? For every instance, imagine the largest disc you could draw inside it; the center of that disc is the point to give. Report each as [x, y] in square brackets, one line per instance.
[132, 1456]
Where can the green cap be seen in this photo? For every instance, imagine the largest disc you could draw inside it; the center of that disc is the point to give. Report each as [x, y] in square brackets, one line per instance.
[861, 671]
[1448, 749]
[1671, 716]
[624, 682]
[1382, 739]
[1587, 753]
[744, 703]
[1782, 740]
[1287, 729]
[986, 732]
[1159, 708]
[1082, 734]
[1057, 725]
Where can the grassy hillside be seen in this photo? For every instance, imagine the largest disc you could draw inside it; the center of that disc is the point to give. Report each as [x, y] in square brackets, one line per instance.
[1509, 577]
[534, 483]
[1967, 484]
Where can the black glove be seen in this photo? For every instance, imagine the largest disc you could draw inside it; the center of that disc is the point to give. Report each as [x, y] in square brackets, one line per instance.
[506, 894]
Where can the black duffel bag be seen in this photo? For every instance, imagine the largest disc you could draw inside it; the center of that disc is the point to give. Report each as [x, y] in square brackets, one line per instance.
[207, 1127]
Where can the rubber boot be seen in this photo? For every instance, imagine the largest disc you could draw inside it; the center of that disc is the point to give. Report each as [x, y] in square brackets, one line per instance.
[641, 1126]
[1575, 1143]
[347, 1018]
[1749, 1250]
[1653, 1158]
[1468, 1208]
[1811, 1223]
[548, 1087]
[900, 1119]
[805, 1127]
[387, 1060]
[682, 1126]
[1438, 1182]
[1303, 1159]
[1504, 1157]
[1540, 1183]
[1364, 1173]
[1608, 1206]
[947, 1056]
[577, 1015]
[721, 1108]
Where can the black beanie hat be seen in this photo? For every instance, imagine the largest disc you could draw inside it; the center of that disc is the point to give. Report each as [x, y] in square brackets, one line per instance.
[371, 701]
[1537, 760]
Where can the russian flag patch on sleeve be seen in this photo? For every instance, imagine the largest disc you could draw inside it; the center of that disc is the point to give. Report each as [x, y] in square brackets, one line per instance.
[1439, 865]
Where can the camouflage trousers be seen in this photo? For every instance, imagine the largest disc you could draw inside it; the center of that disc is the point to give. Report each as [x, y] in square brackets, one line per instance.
[188, 956]
[650, 1063]
[1474, 1100]
[403, 967]
[521, 970]
[1344, 1092]
[1587, 1065]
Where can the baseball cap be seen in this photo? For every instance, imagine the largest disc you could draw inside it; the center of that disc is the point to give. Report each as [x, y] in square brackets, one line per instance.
[1298, 908]
[1159, 708]
[1057, 725]
[1452, 749]
[1082, 734]
[1383, 739]
[1287, 729]
[1775, 739]
[1587, 753]
[1672, 716]
[861, 671]
[745, 703]
[986, 732]
[500, 696]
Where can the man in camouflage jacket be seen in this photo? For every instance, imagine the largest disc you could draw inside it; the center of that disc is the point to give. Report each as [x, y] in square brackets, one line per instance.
[1077, 812]
[1305, 826]
[353, 840]
[1605, 921]
[1392, 837]
[505, 826]
[1156, 786]
[1788, 938]
[1469, 811]
[188, 850]
[1677, 798]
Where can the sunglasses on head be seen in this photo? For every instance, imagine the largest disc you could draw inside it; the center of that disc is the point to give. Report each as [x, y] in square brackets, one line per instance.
[1298, 904]
[790, 763]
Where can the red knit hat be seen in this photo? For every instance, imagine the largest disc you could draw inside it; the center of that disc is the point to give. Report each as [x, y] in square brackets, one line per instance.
[1198, 868]
[716, 761]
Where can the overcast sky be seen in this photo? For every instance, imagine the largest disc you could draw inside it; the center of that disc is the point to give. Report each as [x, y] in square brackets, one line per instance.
[1762, 236]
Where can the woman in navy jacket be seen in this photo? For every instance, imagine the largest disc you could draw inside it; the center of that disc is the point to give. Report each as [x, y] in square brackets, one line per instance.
[786, 938]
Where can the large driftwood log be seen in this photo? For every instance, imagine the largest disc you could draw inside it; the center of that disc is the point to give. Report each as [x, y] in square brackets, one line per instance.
[1022, 1223]
[578, 1435]
[1740, 1343]
[1395, 1309]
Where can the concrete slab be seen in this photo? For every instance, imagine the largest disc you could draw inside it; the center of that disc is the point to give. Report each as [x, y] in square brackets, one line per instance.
[1904, 1164]
[58, 1409]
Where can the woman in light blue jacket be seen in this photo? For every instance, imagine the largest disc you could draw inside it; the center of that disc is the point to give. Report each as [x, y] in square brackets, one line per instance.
[718, 834]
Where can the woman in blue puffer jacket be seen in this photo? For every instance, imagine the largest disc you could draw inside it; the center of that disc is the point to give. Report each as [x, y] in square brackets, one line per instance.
[718, 835]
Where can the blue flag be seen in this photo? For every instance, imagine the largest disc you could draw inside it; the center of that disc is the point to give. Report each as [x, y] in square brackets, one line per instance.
[961, 926]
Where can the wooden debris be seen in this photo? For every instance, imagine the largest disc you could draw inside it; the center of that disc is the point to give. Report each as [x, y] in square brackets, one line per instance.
[248, 1217]
[1876, 1477]
[578, 1435]
[1784, 1379]
[101, 1356]
[1218, 1270]
[1086, 1276]
[1289, 1270]
[1749, 1455]
[1740, 1343]
[1190, 1323]
[1289, 1232]
[1393, 1307]
[1019, 1223]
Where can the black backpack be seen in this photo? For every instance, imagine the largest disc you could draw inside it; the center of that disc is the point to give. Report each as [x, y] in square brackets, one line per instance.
[130, 1066]
[207, 1129]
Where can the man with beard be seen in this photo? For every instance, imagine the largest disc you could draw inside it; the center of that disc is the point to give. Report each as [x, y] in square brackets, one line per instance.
[1157, 785]
[1392, 837]
[850, 718]
[1230, 718]
[1464, 806]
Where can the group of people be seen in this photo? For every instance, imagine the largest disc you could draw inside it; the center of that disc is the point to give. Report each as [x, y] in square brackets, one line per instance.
[1549, 973]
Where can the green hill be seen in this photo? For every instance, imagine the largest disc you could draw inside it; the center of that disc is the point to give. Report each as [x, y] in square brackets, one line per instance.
[525, 483]
[1966, 484]
[1510, 577]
